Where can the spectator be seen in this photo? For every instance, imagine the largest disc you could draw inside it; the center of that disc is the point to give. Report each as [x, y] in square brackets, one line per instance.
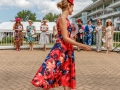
[109, 32]
[80, 32]
[99, 28]
[30, 31]
[18, 28]
[43, 37]
[89, 30]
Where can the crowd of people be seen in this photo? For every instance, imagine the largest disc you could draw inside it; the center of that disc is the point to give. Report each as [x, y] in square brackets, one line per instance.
[91, 34]
[30, 34]
[85, 34]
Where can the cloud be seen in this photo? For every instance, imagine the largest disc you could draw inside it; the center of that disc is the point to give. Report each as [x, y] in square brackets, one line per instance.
[44, 6]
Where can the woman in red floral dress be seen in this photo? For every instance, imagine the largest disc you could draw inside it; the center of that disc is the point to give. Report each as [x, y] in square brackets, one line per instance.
[58, 68]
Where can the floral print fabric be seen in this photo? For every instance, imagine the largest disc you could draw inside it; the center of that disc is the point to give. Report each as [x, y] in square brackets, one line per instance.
[58, 68]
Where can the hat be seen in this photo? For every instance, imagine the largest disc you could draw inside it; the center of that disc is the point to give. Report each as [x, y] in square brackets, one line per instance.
[29, 20]
[108, 20]
[90, 19]
[44, 20]
[71, 1]
[79, 20]
[98, 20]
[18, 19]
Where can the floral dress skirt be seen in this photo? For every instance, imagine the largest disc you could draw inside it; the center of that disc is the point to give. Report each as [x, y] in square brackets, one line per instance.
[18, 39]
[30, 38]
[58, 68]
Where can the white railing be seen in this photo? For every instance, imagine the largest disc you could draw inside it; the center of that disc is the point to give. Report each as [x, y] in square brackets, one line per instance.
[6, 38]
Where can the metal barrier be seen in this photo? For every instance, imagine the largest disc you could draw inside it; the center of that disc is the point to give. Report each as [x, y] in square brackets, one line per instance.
[7, 38]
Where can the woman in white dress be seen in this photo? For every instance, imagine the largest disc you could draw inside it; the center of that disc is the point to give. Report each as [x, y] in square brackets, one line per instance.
[109, 32]
[43, 37]
[99, 28]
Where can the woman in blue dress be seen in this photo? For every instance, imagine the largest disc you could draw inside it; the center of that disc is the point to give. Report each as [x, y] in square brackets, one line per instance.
[30, 31]
[89, 30]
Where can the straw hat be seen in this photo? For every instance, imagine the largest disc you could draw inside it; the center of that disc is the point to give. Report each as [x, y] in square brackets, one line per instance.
[108, 20]
[30, 21]
[44, 20]
[98, 20]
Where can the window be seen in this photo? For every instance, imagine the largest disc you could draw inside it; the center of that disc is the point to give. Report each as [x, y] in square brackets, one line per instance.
[116, 0]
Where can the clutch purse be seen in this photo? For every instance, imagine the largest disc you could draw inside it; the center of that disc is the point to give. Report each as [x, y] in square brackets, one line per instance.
[34, 35]
[103, 40]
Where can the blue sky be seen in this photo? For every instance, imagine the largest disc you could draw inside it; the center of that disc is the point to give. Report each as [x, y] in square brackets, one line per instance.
[10, 13]
[9, 8]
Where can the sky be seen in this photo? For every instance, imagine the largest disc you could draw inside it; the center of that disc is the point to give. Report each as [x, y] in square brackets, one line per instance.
[10, 8]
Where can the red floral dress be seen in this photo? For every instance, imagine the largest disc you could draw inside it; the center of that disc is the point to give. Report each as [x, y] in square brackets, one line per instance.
[58, 68]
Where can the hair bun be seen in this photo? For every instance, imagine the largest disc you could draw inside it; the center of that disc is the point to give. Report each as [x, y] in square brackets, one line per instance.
[59, 5]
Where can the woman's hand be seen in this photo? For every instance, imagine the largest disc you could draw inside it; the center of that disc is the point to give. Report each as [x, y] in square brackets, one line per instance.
[96, 31]
[85, 47]
[73, 37]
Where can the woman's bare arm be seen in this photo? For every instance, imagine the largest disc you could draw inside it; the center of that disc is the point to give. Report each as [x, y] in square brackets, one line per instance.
[26, 31]
[22, 28]
[35, 30]
[112, 30]
[41, 28]
[14, 27]
[103, 31]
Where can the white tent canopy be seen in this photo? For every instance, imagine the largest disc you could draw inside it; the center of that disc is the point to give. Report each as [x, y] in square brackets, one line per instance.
[9, 25]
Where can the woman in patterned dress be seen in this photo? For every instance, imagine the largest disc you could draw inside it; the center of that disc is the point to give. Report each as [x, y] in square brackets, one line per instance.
[99, 29]
[109, 32]
[18, 28]
[58, 68]
[30, 31]
[80, 33]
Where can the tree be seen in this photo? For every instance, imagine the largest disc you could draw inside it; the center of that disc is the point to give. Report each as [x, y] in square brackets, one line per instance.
[51, 17]
[25, 15]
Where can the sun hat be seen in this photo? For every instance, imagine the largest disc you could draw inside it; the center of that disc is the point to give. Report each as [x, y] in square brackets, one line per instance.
[108, 20]
[71, 1]
[18, 19]
[90, 19]
[30, 21]
[98, 20]
[79, 20]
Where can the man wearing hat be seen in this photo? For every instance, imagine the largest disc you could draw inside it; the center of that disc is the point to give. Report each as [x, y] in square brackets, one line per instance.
[89, 30]
[80, 32]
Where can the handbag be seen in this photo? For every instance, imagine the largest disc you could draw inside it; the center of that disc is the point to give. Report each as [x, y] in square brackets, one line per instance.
[34, 35]
[103, 40]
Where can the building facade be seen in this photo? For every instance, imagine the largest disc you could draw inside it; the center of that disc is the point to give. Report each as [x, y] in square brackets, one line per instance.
[101, 9]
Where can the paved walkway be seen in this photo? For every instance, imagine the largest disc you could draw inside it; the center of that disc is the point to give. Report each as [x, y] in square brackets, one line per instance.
[95, 71]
